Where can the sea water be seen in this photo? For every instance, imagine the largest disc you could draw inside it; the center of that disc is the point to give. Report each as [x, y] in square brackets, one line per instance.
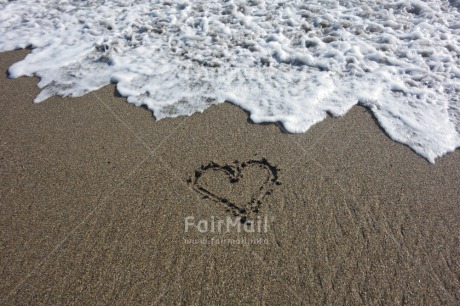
[289, 61]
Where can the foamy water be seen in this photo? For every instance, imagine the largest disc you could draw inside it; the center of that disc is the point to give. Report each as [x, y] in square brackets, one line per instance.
[287, 61]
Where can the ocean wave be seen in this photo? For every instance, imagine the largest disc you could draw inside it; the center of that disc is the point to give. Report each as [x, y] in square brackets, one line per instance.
[291, 62]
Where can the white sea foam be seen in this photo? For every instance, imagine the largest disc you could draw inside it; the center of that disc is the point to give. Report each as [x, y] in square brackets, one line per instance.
[287, 61]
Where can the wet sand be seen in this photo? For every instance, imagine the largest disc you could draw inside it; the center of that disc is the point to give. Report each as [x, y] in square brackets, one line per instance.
[98, 204]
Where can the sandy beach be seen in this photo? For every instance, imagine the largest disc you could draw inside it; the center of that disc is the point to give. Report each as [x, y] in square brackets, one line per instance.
[98, 205]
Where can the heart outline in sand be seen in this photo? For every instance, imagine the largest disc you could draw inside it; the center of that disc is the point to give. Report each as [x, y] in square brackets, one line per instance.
[234, 173]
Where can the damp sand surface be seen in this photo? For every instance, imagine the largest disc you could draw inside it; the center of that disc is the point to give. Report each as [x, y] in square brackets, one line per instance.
[95, 196]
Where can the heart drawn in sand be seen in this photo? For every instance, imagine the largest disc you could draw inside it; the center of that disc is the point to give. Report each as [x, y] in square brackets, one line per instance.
[240, 187]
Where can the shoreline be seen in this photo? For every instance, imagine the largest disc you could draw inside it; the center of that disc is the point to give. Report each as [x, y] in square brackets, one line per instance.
[95, 194]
